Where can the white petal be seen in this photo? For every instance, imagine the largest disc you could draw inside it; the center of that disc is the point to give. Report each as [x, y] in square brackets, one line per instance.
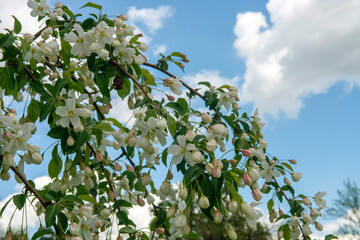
[176, 159]
[174, 149]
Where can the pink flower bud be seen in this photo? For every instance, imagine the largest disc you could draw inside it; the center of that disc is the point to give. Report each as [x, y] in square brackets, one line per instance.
[141, 202]
[160, 230]
[47, 71]
[281, 212]
[88, 171]
[306, 201]
[123, 17]
[206, 118]
[293, 161]
[247, 152]
[58, 5]
[139, 234]
[216, 173]
[118, 167]
[218, 163]
[218, 217]
[186, 60]
[112, 196]
[247, 179]
[132, 141]
[182, 65]
[265, 186]
[190, 135]
[232, 161]
[170, 98]
[99, 157]
[169, 175]
[257, 195]
[129, 168]
[287, 181]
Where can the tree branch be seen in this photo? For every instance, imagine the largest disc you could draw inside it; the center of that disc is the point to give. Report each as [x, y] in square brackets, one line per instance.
[171, 75]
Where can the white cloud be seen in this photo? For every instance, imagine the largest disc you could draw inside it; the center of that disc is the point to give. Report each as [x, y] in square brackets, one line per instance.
[309, 46]
[120, 111]
[32, 219]
[152, 18]
[159, 49]
[212, 76]
[21, 11]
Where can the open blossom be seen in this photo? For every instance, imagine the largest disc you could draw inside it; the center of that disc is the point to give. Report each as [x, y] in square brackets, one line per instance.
[125, 53]
[268, 173]
[39, 9]
[70, 114]
[319, 201]
[174, 84]
[35, 52]
[104, 34]
[81, 40]
[18, 138]
[182, 150]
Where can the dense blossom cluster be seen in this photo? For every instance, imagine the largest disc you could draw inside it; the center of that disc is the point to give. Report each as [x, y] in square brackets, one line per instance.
[100, 168]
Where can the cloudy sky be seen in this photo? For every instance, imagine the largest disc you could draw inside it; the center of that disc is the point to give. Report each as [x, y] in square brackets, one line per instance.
[297, 61]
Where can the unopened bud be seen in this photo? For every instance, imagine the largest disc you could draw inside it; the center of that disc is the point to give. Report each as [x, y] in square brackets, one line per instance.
[206, 118]
[146, 179]
[183, 193]
[70, 141]
[169, 175]
[216, 173]
[296, 176]
[287, 181]
[293, 161]
[233, 206]
[99, 157]
[141, 202]
[165, 188]
[318, 226]
[257, 195]
[118, 167]
[160, 230]
[112, 196]
[232, 161]
[204, 202]
[247, 152]
[232, 234]
[209, 167]
[171, 212]
[170, 98]
[247, 179]
[218, 217]
[129, 168]
[306, 201]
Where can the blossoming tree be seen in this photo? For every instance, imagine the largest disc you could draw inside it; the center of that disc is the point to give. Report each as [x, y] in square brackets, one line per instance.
[69, 71]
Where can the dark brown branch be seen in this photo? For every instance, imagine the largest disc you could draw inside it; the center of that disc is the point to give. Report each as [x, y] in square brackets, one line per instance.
[33, 191]
[171, 75]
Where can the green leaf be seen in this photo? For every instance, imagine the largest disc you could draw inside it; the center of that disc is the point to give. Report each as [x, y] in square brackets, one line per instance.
[81, 138]
[72, 198]
[17, 25]
[205, 83]
[105, 127]
[287, 165]
[164, 157]
[149, 78]
[192, 236]
[93, 5]
[42, 232]
[126, 229]
[45, 110]
[6, 40]
[33, 110]
[270, 205]
[38, 87]
[123, 219]
[50, 215]
[330, 236]
[58, 132]
[19, 200]
[287, 232]
[161, 216]
[177, 54]
[176, 106]
[122, 203]
[55, 164]
[171, 124]
[126, 88]
[65, 51]
[88, 199]
[164, 65]
[10, 77]
[102, 81]
[62, 222]
[4, 207]
[115, 122]
[192, 171]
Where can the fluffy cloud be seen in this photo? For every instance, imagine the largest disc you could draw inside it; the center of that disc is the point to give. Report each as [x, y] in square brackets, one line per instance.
[152, 18]
[32, 219]
[212, 76]
[21, 11]
[159, 49]
[307, 47]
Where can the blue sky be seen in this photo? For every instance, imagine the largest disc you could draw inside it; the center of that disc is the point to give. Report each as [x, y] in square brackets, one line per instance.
[297, 62]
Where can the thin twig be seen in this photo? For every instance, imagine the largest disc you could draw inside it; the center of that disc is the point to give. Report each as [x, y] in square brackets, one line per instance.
[171, 75]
